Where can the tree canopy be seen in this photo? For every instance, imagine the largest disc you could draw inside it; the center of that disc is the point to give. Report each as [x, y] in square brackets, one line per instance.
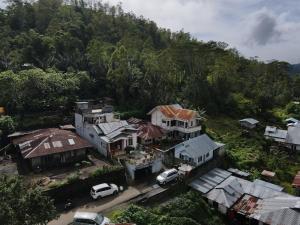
[128, 58]
[22, 205]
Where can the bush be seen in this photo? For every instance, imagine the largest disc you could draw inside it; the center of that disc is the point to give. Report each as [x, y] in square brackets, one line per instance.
[72, 178]
[105, 170]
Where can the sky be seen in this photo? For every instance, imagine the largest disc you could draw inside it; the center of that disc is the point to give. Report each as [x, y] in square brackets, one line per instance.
[269, 29]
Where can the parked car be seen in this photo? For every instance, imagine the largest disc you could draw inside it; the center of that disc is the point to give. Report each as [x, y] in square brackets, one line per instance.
[102, 190]
[89, 218]
[167, 176]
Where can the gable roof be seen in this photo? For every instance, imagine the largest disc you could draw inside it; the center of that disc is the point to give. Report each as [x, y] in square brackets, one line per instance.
[250, 120]
[107, 128]
[197, 146]
[175, 112]
[49, 141]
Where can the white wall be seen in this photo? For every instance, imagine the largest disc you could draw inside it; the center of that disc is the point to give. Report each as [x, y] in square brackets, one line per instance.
[195, 160]
[222, 209]
[157, 165]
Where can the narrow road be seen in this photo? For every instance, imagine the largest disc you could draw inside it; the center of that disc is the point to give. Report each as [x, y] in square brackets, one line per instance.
[98, 206]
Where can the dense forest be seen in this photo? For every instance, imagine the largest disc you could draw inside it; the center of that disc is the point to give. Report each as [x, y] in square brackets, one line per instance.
[54, 52]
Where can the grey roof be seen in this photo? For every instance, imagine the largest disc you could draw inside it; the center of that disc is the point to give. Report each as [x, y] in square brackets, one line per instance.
[197, 146]
[275, 132]
[112, 126]
[238, 172]
[293, 135]
[268, 185]
[250, 120]
[278, 210]
[210, 180]
[231, 189]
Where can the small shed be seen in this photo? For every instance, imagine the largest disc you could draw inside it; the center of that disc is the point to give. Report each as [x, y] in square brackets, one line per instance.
[249, 123]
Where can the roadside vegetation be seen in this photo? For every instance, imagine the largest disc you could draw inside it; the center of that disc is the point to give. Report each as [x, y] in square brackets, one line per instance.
[188, 209]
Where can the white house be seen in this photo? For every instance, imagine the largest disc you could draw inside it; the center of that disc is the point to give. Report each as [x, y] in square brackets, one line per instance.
[180, 123]
[104, 130]
[198, 150]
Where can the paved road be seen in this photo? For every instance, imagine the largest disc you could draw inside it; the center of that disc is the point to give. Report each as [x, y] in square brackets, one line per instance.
[98, 206]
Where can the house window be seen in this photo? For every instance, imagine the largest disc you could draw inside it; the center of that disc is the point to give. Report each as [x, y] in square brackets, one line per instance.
[191, 123]
[200, 159]
[168, 123]
[163, 121]
[130, 141]
[207, 154]
[191, 160]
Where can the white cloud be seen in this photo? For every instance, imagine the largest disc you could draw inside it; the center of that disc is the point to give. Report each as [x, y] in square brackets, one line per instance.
[265, 28]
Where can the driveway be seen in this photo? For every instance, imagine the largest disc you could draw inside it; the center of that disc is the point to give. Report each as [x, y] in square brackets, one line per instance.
[98, 206]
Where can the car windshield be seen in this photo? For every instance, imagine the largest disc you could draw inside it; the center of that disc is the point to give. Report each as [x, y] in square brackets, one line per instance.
[164, 174]
[99, 219]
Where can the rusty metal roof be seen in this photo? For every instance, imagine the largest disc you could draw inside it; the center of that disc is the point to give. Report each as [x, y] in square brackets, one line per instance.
[149, 131]
[246, 205]
[176, 112]
[2, 110]
[296, 181]
[49, 141]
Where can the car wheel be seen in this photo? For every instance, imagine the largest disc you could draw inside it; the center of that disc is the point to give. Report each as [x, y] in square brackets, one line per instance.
[115, 193]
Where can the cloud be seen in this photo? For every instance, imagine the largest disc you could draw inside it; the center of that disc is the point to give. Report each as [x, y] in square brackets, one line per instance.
[265, 28]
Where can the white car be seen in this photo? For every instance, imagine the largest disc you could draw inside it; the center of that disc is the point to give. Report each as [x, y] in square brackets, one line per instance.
[89, 218]
[167, 176]
[102, 190]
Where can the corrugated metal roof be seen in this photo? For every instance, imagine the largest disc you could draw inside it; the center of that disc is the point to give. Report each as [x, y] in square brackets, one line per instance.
[197, 146]
[291, 119]
[49, 141]
[176, 112]
[268, 185]
[112, 126]
[296, 181]
[238, 172]
[226, 193]
[210, 180]
[149, 131]
[250, 120]
[134, 120]
[273, 132]
[278, 211]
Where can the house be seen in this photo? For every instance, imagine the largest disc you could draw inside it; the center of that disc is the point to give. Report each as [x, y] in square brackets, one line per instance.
[51, 147]
[101, 127]
[147, 132]
[197, 150]
[273, 133]
[249, 123]
[296, 183]
[290, 138]
[223, 190]
[180, 123]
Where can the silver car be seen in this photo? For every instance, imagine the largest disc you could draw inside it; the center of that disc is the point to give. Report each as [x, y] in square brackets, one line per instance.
[167, 176]
[89, 218]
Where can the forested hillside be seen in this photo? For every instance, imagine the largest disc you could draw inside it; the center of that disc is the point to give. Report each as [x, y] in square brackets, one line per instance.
[52, 53]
